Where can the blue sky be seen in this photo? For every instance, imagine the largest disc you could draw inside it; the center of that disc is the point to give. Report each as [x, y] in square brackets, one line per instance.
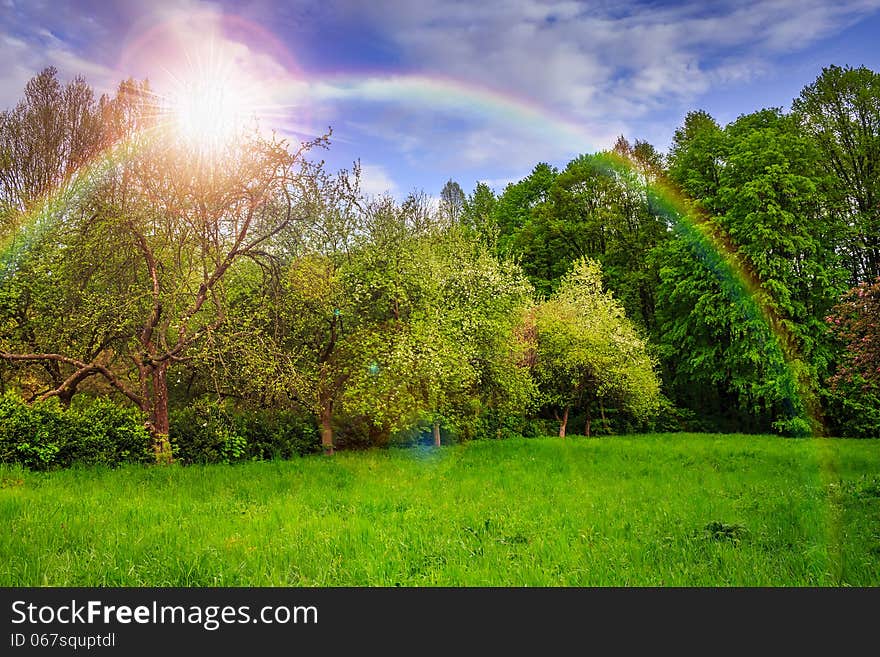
[422, 92]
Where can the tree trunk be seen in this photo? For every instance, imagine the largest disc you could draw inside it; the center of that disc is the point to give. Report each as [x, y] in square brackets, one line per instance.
[436, 434]
[563, 422]
[66, 396]
[589, 422]
[602, 413]
[159, 413]
[327, 428]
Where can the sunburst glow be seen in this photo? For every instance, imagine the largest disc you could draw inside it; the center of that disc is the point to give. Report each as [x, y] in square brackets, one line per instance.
[208, 109]
[208, 112]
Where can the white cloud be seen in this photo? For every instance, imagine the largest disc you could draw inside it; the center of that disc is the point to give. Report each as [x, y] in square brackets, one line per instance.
[594, 60]
[589, 71]
[375, 181]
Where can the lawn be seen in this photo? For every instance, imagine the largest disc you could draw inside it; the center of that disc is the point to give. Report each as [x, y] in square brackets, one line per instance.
[651, 510]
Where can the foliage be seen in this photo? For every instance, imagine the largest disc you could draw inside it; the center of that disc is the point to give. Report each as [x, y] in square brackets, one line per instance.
[550, 219]
[211, 432]
[855, 386]
[142, 268]
[171, 221]
[856, 322]
[44, 435]
[478, 213]
[587, 351]
[763, 350]
[840, 111]
[412, 322]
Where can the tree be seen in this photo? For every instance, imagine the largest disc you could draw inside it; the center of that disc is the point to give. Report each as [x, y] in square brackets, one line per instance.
[855, 385]
[452, 201]
[590, 209]
[587, 351]
[52, 297]
[477, 310]
[177, 222]
[413, 322]
[516, 204]
[759, 348]
[841, 111]
[49, 135]
[478, 213]
[856, 322]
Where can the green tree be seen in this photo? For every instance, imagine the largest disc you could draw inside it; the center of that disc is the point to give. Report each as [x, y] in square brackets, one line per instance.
[414, 322]
[514, 208]
[696, 158]
[587, 351]
[174, 221]
[452, 201]
[841, 111]
[478, 214]
[763, 194]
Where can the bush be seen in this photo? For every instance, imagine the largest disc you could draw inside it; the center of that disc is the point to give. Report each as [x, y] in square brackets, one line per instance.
[853, 410]
[43, 435]
[108, 434]
[211, 432]
[34, 435]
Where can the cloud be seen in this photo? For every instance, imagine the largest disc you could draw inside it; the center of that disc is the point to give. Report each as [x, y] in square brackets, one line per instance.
[375, 181]
[590, 60]
[24, 62]
[609, 68]
[531, 80]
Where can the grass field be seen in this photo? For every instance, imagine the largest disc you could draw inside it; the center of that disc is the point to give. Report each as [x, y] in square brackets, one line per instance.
[667, 510]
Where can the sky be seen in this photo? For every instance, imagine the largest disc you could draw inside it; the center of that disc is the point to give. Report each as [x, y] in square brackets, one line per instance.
[420, 92]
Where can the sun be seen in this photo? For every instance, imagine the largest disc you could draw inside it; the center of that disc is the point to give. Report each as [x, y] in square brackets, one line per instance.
[208, 111]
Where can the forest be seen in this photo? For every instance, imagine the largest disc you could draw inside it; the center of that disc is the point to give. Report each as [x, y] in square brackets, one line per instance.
[165, 301]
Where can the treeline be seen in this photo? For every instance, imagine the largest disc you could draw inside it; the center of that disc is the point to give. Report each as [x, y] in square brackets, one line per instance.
[202, 287]
[215, 283]
[793, 199]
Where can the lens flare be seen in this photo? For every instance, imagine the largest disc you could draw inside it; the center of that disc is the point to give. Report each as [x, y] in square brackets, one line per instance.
[207, 112]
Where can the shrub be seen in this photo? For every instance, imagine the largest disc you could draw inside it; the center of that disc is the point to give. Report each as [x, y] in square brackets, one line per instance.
[108, 434]
[33, 435]
[212, 432]
[43, 435]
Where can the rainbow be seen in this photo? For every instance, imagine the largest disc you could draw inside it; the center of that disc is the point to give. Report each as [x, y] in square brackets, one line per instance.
[457, 98]
[705, 239]
[716, 251]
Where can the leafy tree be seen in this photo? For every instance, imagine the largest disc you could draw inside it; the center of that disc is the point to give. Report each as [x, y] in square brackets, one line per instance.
[760, 179]
[587, 351]
[452, 201]
[841, 111]
[174, 222]
[604, 213]
[590, 209]
[478, 213]
[855, 385]
[477, 309]
[648, 160]
[516, 204]
[412, 324]
[696, 158]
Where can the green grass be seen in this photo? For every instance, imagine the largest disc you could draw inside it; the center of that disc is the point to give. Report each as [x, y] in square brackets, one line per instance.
[659, 510]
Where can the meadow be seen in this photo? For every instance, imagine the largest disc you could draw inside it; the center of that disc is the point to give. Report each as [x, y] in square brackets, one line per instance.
[647, 510]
